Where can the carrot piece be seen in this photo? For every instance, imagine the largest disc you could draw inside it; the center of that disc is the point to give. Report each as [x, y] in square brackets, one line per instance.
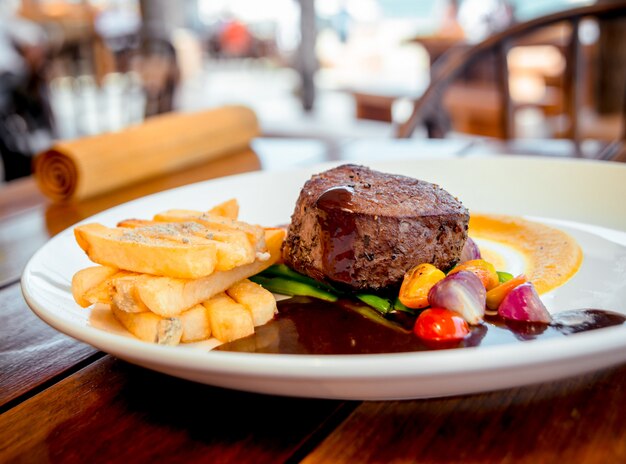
[497, 294]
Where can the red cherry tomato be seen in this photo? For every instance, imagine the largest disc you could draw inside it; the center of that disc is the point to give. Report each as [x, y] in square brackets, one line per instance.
[440, 324]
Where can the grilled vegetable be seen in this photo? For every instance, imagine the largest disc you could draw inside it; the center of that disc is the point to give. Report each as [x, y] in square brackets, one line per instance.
[462, 292]
[470, 251]
[523, 304]
[484, 270]
[382, 305]
[497, 294]
[417, 283]
[290, 287]
[439, 324]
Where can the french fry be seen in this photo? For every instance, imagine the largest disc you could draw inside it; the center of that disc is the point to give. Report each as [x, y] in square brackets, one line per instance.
[258, 301]
[105, 290]
[125, 296]
[132, 251]
[182, 276]
[135, 223]
[233, 247]
[229, 209]
[196, 324]
[150, 327]
[255, 233]
[86, 279]
[169, 296]
[229, 319]
[95, 284]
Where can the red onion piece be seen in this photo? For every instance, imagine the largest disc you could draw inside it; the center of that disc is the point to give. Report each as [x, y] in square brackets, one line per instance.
[523, 304]
[470, 251]
[462, 292]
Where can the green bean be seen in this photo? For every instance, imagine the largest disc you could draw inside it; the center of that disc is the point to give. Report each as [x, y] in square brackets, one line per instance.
[282, 270]
[382, 305]
[375, 316]
[399, 306]
[292, 287]
[504, 276]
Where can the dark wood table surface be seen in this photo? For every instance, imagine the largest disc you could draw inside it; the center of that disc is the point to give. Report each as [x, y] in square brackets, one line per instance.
[63, 401]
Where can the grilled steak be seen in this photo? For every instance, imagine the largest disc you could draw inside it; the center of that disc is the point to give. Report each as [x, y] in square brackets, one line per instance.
[364, 229]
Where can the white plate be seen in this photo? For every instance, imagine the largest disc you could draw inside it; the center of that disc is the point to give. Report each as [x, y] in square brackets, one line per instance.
[573, 194]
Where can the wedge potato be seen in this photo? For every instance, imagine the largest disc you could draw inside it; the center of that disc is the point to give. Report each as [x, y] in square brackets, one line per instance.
[258, 301]
[229, 319]
[149, 327]
[86, 279]
[132, 251]
[169, 296]
[229, 209]
[196, 324]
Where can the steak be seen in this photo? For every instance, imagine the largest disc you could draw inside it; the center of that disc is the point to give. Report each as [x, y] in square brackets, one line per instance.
[363, 229]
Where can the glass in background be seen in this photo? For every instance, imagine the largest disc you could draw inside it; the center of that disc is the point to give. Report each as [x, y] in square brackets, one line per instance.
[81, 107]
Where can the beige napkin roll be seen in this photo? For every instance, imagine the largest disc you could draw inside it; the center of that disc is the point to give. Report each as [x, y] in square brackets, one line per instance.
[78, 169]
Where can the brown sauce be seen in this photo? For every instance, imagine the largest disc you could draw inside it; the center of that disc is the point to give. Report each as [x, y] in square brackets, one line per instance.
[310, 326]
[339, 231]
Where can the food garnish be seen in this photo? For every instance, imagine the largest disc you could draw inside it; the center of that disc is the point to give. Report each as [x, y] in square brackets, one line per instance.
[462, 292]
[440, 324]
[482, 269]
[417, 283]
[523, 304]
[285, 286]
[382, 305]
[457, 296]
[504, 276]
[497, 294]
[279, 278]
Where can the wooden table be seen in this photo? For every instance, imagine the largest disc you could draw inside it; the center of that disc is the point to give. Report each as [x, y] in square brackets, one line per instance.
[63, 401]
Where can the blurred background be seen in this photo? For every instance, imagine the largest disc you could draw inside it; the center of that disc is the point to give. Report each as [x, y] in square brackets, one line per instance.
[325, 69]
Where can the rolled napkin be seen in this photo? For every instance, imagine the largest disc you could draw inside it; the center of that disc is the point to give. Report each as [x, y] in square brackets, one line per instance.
[78, 169]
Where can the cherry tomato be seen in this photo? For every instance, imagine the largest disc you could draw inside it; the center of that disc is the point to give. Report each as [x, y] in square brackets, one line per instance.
[417, 283]
[484, 270]
[440, 324]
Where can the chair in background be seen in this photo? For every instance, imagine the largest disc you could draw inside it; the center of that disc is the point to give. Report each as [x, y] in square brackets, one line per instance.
[25, 117]
[154, 60]
[429, 109]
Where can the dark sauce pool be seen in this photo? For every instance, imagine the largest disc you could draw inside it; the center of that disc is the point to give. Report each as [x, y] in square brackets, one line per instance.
[311, 326]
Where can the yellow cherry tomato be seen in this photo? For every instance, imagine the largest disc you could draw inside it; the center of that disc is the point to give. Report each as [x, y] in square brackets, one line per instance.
[417, 283]
[484, 270]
